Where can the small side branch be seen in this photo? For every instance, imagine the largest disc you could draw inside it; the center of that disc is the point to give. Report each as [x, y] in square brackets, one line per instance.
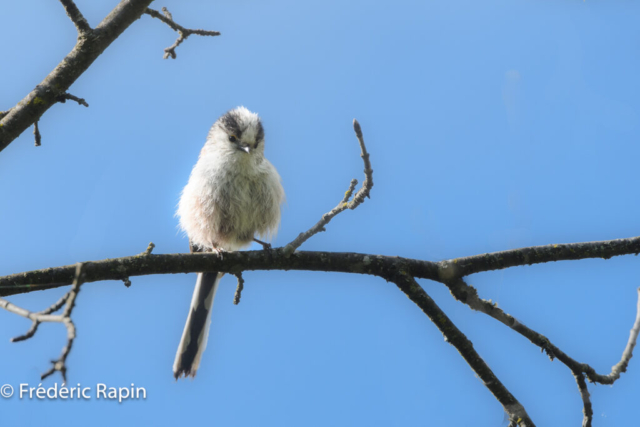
[460, 267]
[621, 366]
[68, 301]
[149, 249]
[513, 408]
[587, 408]
[344, 204]
[183, 33]
[469, 296]
[36, 134]
[76, 16]
[34, 326]
[63, 98]
[238, 294]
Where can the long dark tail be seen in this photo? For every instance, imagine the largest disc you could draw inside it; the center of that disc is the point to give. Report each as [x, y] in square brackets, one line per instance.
[196, 330]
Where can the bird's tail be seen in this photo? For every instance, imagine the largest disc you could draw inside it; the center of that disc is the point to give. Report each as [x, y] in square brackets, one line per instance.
[196, 330]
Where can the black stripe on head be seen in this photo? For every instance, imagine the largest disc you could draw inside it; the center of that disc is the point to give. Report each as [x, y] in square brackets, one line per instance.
[229, 122]
[260, 134]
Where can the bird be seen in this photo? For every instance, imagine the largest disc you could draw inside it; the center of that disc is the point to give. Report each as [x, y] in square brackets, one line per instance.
[233, 194]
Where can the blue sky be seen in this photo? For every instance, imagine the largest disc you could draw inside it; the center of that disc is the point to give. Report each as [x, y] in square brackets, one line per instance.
[491, 125]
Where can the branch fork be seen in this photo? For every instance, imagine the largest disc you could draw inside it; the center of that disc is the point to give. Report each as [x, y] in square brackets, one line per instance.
[68, 301]
[183, 33]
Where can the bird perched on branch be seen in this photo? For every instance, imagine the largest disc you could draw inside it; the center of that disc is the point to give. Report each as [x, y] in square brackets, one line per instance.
[233, 194]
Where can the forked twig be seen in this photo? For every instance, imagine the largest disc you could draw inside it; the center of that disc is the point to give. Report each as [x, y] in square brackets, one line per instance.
[344, 204]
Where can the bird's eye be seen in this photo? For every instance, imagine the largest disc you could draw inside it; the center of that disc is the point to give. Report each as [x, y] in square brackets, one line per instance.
[232, 138]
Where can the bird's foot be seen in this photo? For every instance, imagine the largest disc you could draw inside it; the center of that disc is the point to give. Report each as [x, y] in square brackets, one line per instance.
[219, 252]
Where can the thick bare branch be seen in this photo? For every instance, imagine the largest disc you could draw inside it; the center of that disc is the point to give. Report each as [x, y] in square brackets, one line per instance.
[277, 259]
[183, 33]
[141, 265]
[86, 50]
[76, 17]
[460, 267]
[364, 191]
[516, 412]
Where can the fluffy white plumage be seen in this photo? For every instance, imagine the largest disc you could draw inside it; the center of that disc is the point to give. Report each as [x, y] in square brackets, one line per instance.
[233, 194]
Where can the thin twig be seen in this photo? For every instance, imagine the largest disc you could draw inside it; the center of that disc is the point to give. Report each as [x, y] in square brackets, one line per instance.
[31, 332]
[63, 98]
[621, 366]
[183, 33]
[76, 16]
[36, 134]
[344, 204]
[469, 296]
[56, 305]
[149, 249]
[68, 300]
[34, 326]
[60, 364]
[238, 294]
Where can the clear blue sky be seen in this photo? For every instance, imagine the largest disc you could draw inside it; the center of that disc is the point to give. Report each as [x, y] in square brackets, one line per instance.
[491, 125]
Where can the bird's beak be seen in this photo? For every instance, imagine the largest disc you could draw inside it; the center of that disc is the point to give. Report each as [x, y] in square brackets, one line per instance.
[246, 149]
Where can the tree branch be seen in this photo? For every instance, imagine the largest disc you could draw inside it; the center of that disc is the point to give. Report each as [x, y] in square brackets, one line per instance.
[358, 199]
[516, 412]
[183, 33]
[141, 265]
[62, 99]
[469, 295]
[68, 300]
[65, 96]
[238, 294]
[36, 134]
[587, 408]
[76, 17]
[90, 45]
[460, 267]
[277, 259]
[621, 366]
[86, 50]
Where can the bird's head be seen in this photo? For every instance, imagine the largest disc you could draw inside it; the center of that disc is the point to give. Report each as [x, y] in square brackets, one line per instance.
[238, 132]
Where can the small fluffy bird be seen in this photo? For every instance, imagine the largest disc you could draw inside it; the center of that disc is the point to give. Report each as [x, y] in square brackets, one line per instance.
[233, 194]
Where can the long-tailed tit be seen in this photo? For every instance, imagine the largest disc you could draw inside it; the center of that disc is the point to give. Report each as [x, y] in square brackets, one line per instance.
[233, 194]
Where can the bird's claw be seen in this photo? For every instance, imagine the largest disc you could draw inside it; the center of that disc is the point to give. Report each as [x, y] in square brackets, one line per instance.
[219, 252]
